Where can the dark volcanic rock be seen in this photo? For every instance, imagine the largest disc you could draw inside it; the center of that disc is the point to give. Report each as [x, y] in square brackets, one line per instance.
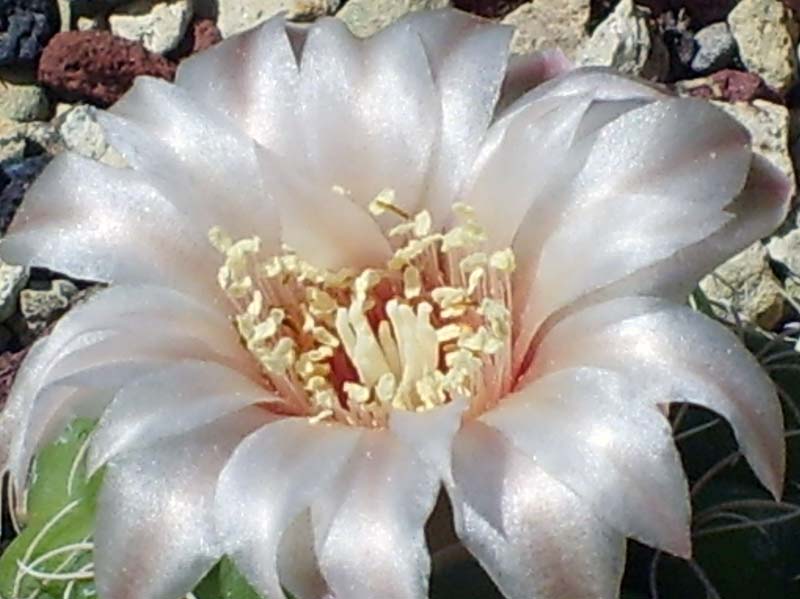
[9, 364]
[15, 178]
[201, 35]
[701, 12]
[489, 8]
[96, 66]
[25, 28]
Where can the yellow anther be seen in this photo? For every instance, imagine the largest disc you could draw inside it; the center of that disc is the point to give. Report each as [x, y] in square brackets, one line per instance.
[385, 202]
[503, 261]
[220, 240]
[386, 388]
[356, 393]
[412, 282]
[450, 332]
[474, 280]
[325, 337]
[422, 224]
[472, 262]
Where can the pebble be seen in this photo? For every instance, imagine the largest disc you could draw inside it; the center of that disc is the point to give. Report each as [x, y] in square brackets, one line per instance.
[766, 33]
[12, 279]
[160, 27]
[546, 24]
[235, 16]
[15, 178]
[201, 34]
[365, 17]
[27, 26]
[39, 307]
[82, 134]
[21, 100]
[628, 41]
[12, 140]
[97, 67]
[716, 49]
[728, 85]
[786, 251]
[746, 283]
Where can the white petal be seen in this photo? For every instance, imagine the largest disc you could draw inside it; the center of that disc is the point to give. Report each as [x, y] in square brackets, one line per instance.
[550, 545]
[253, 78]
[689, 357]
[385, 105]
[656, 180]
[528, 71]
[298, 568]
[324, 226]
[586, 429]
[270, 480]
[195, 156]
[468, 58]
[93, 221]
[369, 525]
[154, 535]
[430, 433]
[134, 324]
[169, 402]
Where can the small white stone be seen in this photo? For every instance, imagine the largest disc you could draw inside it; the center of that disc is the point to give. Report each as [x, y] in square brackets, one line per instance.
[716, 48]
[544, 24]
[766, 32]
[160, 27]
[82, 134]
[12, 280]
[40, 307]
[365, 17]
[235, 16]
[628, 41]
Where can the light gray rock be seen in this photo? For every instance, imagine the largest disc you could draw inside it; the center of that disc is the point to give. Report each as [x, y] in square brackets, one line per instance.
[746, 284]
[12, 280]
[786, 250]
[17, 139]
[12, 140]
[40, 307]
[768, 124]
[767, 33]
[82, 134]
[234, 16]
[716, 48]
[159, 26]
[547, 24]
[628, 41]
[365, 17]
[23, 101]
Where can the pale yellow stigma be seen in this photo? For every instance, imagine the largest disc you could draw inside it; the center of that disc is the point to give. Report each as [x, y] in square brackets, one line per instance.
[430, 326]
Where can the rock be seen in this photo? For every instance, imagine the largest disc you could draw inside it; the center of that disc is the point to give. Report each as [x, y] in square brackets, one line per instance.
[12, 280]
[18, 140]
[546, 24]
[716, 48]
[747, 285]
[25, 28]
[82, 134]
[234, 16]
[40, 307]
[365, 17]
[96, 66]
[93, 23]
[200, 35]
[728, 85]
[9, 364]
[21, 100]
[628, 41]
[701, 12]
[768, 124]
[767, 33]
[492, 9]
[786, 251]
[15, 178]
[12, 140]
[159, 27]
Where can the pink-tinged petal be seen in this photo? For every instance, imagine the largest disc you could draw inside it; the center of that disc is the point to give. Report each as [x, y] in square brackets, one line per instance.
[531, 70]
[96, 222]
[253, 78]
[585, 428]
[688, 357]
[656, 180]
[324, 226]
[132, 327]
[549, 544]
[385, 102]
[369, 524]
[298, 568]
[195, 156]
[430, 433]
[170, 402]
[468, 58]
[270, 480]
[154, 534]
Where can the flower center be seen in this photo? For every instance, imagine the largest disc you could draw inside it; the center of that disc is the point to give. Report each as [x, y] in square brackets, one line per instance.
[430, 326]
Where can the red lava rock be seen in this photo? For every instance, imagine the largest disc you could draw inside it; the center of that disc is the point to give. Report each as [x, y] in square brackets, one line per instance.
[9, 363]
[735, 86]
[96, 66]
[201, 35]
